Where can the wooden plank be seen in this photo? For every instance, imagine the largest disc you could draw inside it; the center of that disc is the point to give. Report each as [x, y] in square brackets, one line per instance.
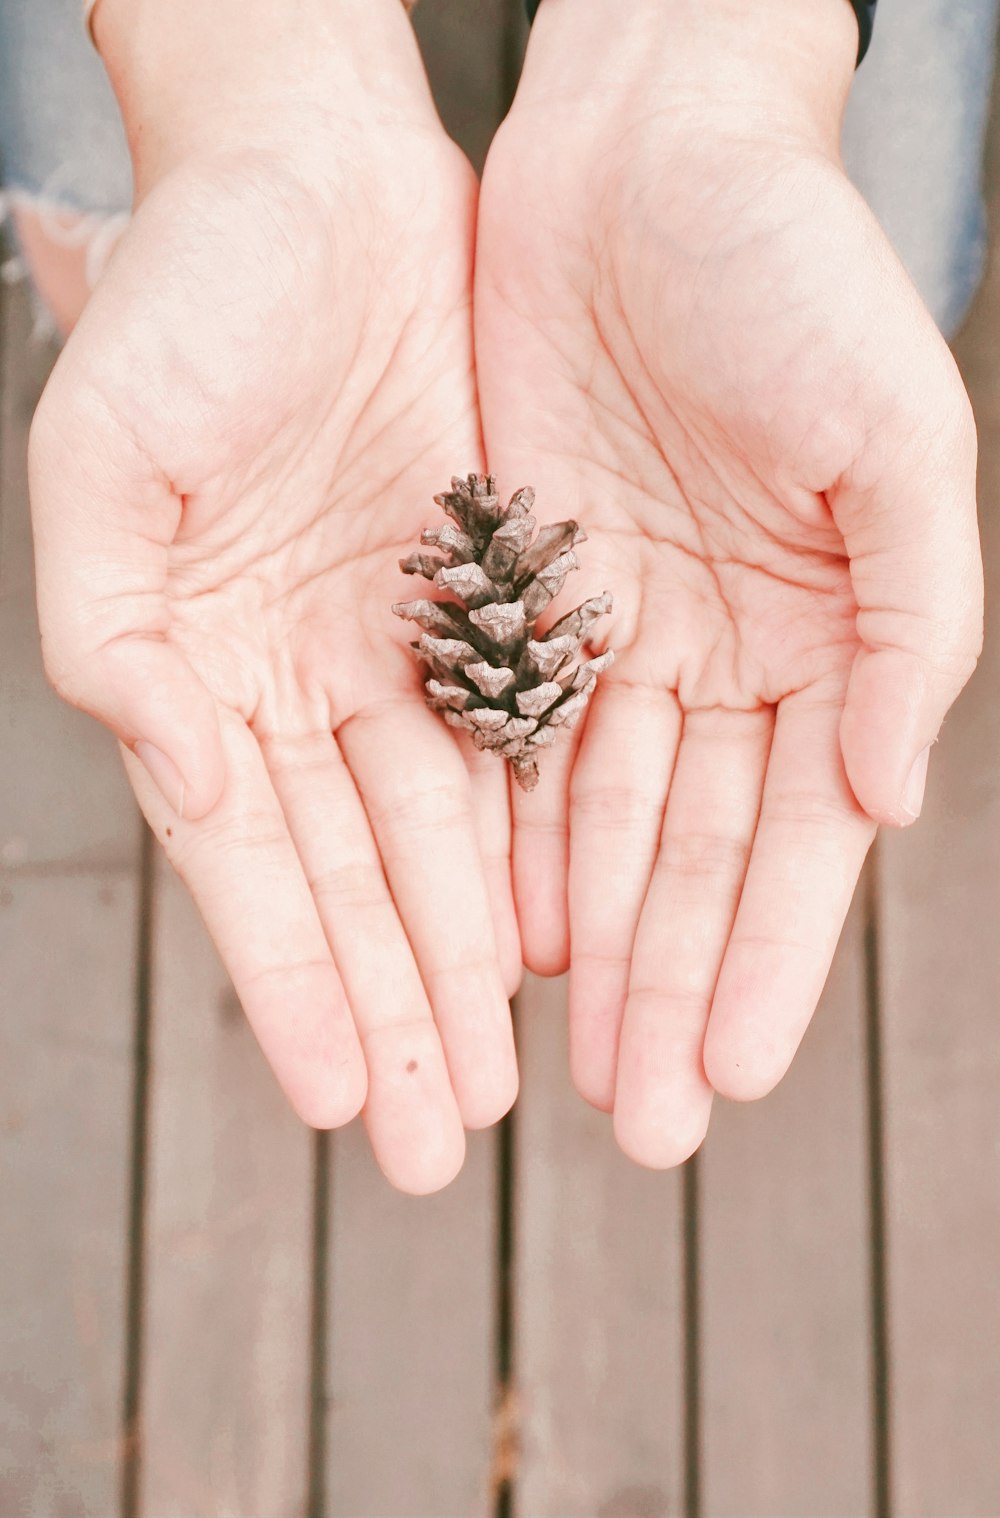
[785, 1269]
[225, 1398]
[599, 1345]
[68, 931]
[66, 947]
[411, 1348]
[64, 796]
[940, 996]
[410, 1353]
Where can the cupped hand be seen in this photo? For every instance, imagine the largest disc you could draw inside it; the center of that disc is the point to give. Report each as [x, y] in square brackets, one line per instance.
[692, 336]
[237, 444]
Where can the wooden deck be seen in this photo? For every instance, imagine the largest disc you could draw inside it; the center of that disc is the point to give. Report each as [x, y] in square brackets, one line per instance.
[208, 1312]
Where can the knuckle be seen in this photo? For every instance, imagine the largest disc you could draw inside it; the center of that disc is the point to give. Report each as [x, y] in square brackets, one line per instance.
[249, 841]
[808, 828]
[414, 814]
[810, 816]
[350, 884]
[613, 805]
[699, 856]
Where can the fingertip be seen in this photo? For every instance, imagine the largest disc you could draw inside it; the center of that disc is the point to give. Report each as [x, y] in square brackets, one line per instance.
[189, 798]
[884, 817]
[542, 904]
[472, 1015]
[485, 1107]
[486, 1087]
[663, 1100]
[592, 1071]
[595, 1086]
[547, 957]
[597, 993]
[512, 972]
[160, 710]
[744, 1068]
[197, 748]
[890, 720]
[661, 1140]
[507, 934]
[427, 1165]
[540, 867]
[412, 1115]
[334, 1100]
[205, 780]
[304, 1027]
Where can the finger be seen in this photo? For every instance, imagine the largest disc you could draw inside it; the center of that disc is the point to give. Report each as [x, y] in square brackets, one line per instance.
[417, 795]
[242, 869]
[663, 1099]
[909, 523]
[541, 859]
[488, 777]
[810, 844]
[617, 795]
[411, 1114]
[103, 518]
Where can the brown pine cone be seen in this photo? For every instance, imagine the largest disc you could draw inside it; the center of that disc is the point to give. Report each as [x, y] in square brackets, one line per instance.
[487, 672]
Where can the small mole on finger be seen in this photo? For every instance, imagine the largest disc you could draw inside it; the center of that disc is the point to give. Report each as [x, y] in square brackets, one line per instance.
[170, 832]
[411, 1066]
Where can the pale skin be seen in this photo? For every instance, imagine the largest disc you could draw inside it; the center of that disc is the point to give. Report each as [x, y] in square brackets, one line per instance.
[695, 337]
[690, 334]
[237, 445]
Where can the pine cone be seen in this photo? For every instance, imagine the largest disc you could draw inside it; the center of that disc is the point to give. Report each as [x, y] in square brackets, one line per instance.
[487, 673]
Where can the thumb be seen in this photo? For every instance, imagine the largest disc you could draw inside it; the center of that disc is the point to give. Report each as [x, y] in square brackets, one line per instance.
[908, 517]
[103, 517]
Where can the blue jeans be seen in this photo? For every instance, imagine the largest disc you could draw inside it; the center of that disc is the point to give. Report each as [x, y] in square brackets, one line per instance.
[913, 143]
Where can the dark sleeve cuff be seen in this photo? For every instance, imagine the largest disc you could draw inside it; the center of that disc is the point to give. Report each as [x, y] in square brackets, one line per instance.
[863, 9]
[865, 12]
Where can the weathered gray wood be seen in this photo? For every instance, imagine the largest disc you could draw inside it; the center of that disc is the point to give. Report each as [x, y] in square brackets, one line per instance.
[599, 1362]
[67, 965]
[940, 993]
[225, 1397]
[63, 794]
[410, 1357]
[411, 1348]
[67, 961]
[785, 1333]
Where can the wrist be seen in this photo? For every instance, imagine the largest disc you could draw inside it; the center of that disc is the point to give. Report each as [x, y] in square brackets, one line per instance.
[775, 64]
[194, 78]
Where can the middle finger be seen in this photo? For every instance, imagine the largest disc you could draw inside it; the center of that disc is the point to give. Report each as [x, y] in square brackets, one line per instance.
[663, 1099]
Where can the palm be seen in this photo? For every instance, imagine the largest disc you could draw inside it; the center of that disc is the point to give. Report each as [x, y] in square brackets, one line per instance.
[710, 601]
[297, 366]
[282, 574]
[693, 412]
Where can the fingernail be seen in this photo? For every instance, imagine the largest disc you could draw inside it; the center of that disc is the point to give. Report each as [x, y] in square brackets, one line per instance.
[164, 772]
[913, 790]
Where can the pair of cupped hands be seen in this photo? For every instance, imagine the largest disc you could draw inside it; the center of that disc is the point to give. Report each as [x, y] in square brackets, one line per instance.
[667, 310]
